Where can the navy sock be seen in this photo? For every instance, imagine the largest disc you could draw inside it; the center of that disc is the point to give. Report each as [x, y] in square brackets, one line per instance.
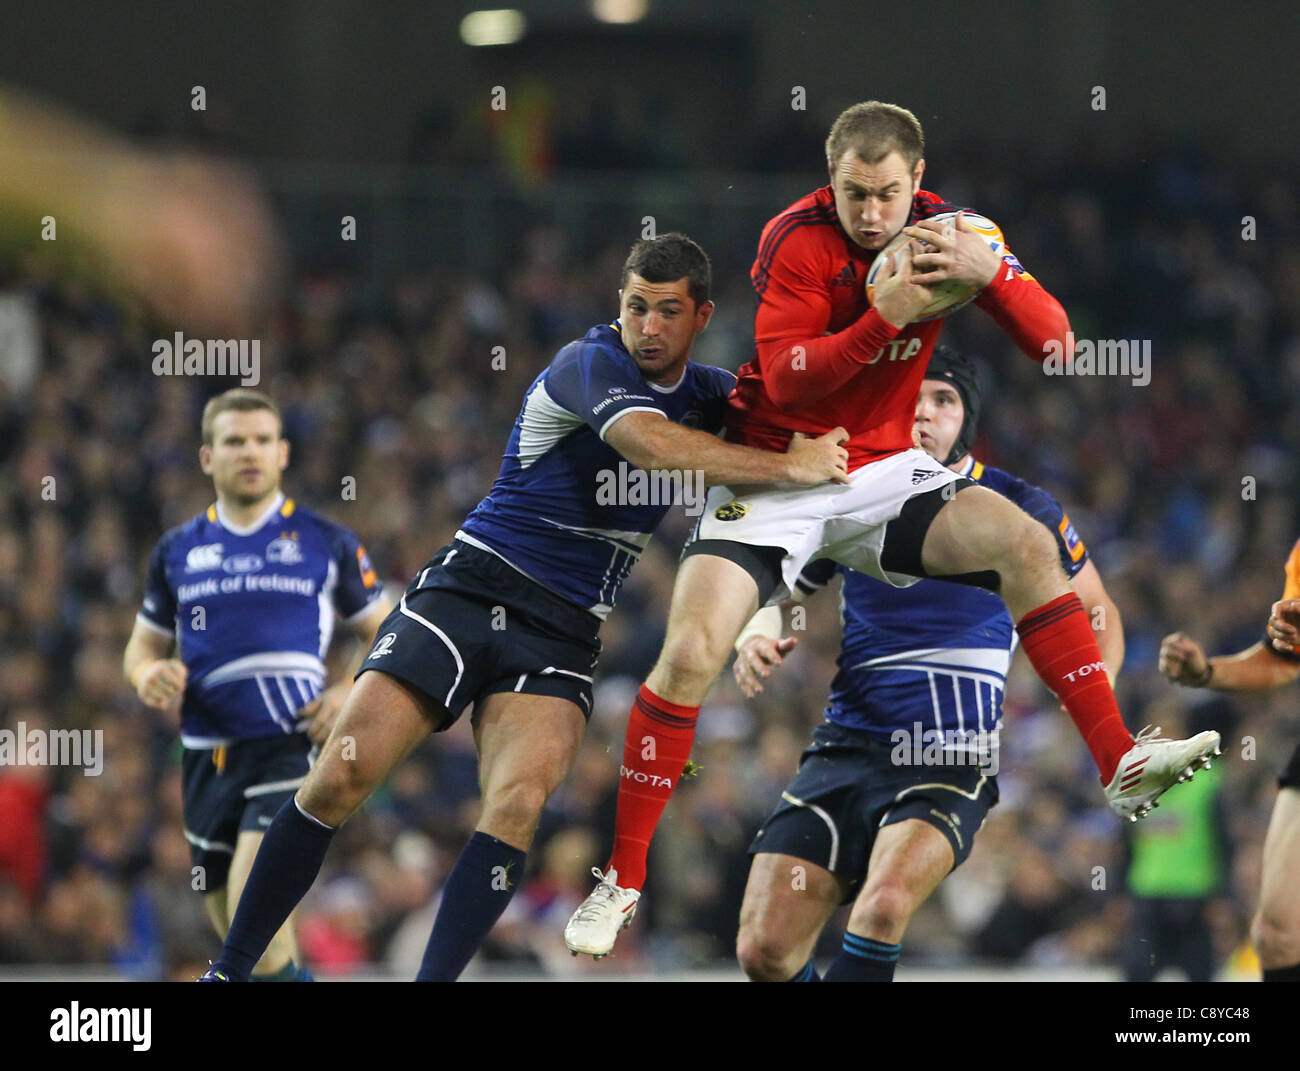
[304, 975]
[808, 974]
[863, 960]
[1283, 974]
[287, 863]
[479, 887]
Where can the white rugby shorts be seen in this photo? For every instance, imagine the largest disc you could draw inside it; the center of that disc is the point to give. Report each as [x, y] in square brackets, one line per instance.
[845, 522]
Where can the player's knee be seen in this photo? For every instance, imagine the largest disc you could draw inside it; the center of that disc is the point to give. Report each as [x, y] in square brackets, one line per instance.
[1276, 938]
[883, 911]
[334, 789]
[1025, 545]
[514, 808]
[1028, 565]
[692, 655]
[762, 958]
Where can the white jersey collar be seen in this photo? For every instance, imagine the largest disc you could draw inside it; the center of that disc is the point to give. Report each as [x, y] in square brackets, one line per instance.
[249, 529]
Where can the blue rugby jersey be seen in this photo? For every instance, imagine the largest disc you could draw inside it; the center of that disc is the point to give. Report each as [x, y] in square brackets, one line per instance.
[567, 509]
[936, 653]
[252, 609]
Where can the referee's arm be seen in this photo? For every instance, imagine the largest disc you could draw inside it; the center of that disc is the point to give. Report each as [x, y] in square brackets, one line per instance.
[1257, 668]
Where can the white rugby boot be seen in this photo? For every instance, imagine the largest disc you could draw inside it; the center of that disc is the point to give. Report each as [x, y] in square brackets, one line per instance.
[1151, 766]
[594, 927]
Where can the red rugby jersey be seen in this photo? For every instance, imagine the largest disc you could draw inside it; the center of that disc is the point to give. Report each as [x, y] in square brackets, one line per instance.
[826, 358]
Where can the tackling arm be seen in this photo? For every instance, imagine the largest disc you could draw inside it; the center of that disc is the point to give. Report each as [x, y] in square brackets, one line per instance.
[652, 441]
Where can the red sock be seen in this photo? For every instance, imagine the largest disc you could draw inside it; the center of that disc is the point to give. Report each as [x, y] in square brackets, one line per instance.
[1059, 642]
[655, 750]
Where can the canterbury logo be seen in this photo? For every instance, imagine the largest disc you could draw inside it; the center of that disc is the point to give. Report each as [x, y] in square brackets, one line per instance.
[384, 645]
[921, 475]
[732, 511]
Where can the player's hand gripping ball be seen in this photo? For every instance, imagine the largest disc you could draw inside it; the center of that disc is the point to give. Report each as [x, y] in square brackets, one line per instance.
[951, 295]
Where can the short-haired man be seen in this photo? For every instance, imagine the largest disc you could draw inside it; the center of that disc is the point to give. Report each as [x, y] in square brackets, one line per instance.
[507, 616]
[827, 357]
[237, 620]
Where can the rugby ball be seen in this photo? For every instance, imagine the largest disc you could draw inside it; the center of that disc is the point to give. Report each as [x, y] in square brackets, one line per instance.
[948, 296]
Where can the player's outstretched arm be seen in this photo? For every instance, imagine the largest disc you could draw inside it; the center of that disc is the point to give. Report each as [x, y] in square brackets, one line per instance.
[1257, 668]
[653, 442]
[156, 678]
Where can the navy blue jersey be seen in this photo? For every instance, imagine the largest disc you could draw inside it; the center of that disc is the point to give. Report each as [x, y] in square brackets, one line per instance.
[934, 654]
[252, 610]
[568, 510]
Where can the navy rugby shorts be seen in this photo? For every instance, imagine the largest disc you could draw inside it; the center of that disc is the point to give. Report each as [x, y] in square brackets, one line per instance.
[850, 784]
[470, 625]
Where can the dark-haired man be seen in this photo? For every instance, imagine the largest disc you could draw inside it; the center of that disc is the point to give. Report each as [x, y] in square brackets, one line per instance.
[827, 357]
[506, 617]
[900, 776]
[243, 593]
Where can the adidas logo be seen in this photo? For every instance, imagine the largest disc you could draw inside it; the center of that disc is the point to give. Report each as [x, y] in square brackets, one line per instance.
[921, 475]
[846, 277]
[1132, 775]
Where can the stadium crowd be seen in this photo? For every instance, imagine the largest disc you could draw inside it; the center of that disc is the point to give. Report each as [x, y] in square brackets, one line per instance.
[397, 405]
